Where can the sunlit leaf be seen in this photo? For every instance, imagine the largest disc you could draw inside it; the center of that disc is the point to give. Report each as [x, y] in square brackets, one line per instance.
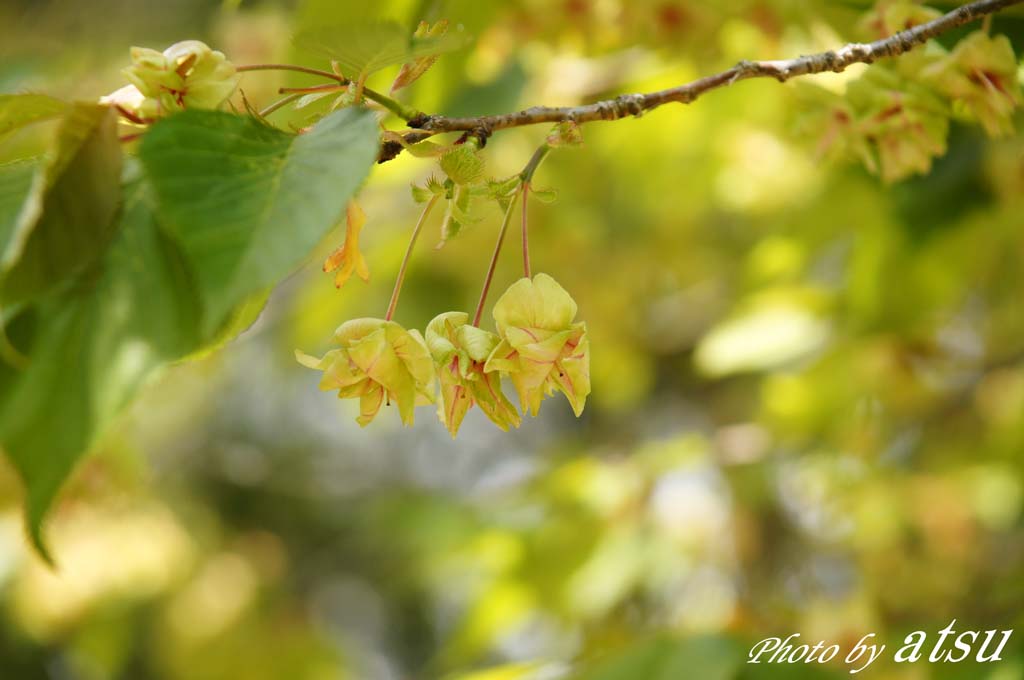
[412, 71]
[94, 348]
[766, 337]
[19, 110]
[67, 215]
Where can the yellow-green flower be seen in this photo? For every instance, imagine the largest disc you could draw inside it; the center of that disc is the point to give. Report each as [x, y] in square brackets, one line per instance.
[899, 126]
[460, 351]
[187, 74]
[541, 349]
[980, 75]
[893, 16]
[379, 362]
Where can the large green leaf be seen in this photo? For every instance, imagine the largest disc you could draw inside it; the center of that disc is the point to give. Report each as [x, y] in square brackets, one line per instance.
[136, 310]
[239, 205]
[65, 216]
[18, 110]
[248, 202]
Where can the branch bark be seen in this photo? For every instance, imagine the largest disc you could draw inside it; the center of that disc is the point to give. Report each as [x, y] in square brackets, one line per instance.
[838, 60]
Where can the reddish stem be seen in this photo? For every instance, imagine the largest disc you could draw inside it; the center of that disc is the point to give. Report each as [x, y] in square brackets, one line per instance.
[312, 89]
[494, 260]
[400, 279]
[291, 67]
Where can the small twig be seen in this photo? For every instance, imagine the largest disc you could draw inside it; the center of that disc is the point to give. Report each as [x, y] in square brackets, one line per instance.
[836, 61]
[400, 279]
[291, 67]
[401, 110]
[535, 160]
[313, 89]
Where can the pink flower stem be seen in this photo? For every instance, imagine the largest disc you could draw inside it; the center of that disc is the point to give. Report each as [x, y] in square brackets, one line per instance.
[494, 258]
[400, 279]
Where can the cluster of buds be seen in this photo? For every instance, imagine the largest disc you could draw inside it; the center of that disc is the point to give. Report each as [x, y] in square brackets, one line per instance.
[538, 346]
[186, 75]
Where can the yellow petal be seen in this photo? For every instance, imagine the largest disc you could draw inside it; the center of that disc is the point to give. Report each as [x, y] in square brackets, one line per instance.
[348, 258]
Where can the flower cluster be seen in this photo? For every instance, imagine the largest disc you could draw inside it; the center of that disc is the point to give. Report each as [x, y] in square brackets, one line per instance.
[377, 361]
[980, 76]
[538, 346]
[187, 74]
[895, 117]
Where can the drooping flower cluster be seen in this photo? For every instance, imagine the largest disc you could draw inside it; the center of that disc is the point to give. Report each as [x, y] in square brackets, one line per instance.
[379, 362]
[460, 352]
[538, 346]
[541, 348]
[187, 74]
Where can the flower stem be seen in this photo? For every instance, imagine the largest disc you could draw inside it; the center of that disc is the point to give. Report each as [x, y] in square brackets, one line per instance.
[401, 110]
[408, 255]
[526, 176]
[287, 67]
[526, 235]
[280, 103]
[312, 89]
[535, 160]
[494, 258]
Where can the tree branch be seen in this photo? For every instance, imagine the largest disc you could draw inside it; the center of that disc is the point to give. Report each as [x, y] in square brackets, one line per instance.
[836, 61]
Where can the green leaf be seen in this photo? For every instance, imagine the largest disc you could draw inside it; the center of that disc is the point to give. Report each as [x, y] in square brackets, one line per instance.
[544, 195]
[239, 205]
[414, 70]
[94, 347]
[19, 110]
[463, 164]
[360, 49]
[15, 185]
[67, 213]
[248, 202]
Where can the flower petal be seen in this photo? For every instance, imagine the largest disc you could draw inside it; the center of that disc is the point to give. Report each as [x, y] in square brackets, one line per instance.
[540, 303]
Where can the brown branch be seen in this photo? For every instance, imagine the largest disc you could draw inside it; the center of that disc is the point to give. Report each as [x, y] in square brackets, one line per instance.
[635, 104]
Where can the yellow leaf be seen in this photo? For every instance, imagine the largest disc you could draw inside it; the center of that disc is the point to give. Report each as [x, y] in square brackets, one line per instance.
[348, 258]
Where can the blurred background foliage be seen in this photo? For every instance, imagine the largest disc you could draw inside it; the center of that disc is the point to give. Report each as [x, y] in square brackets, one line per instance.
[808, 406]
